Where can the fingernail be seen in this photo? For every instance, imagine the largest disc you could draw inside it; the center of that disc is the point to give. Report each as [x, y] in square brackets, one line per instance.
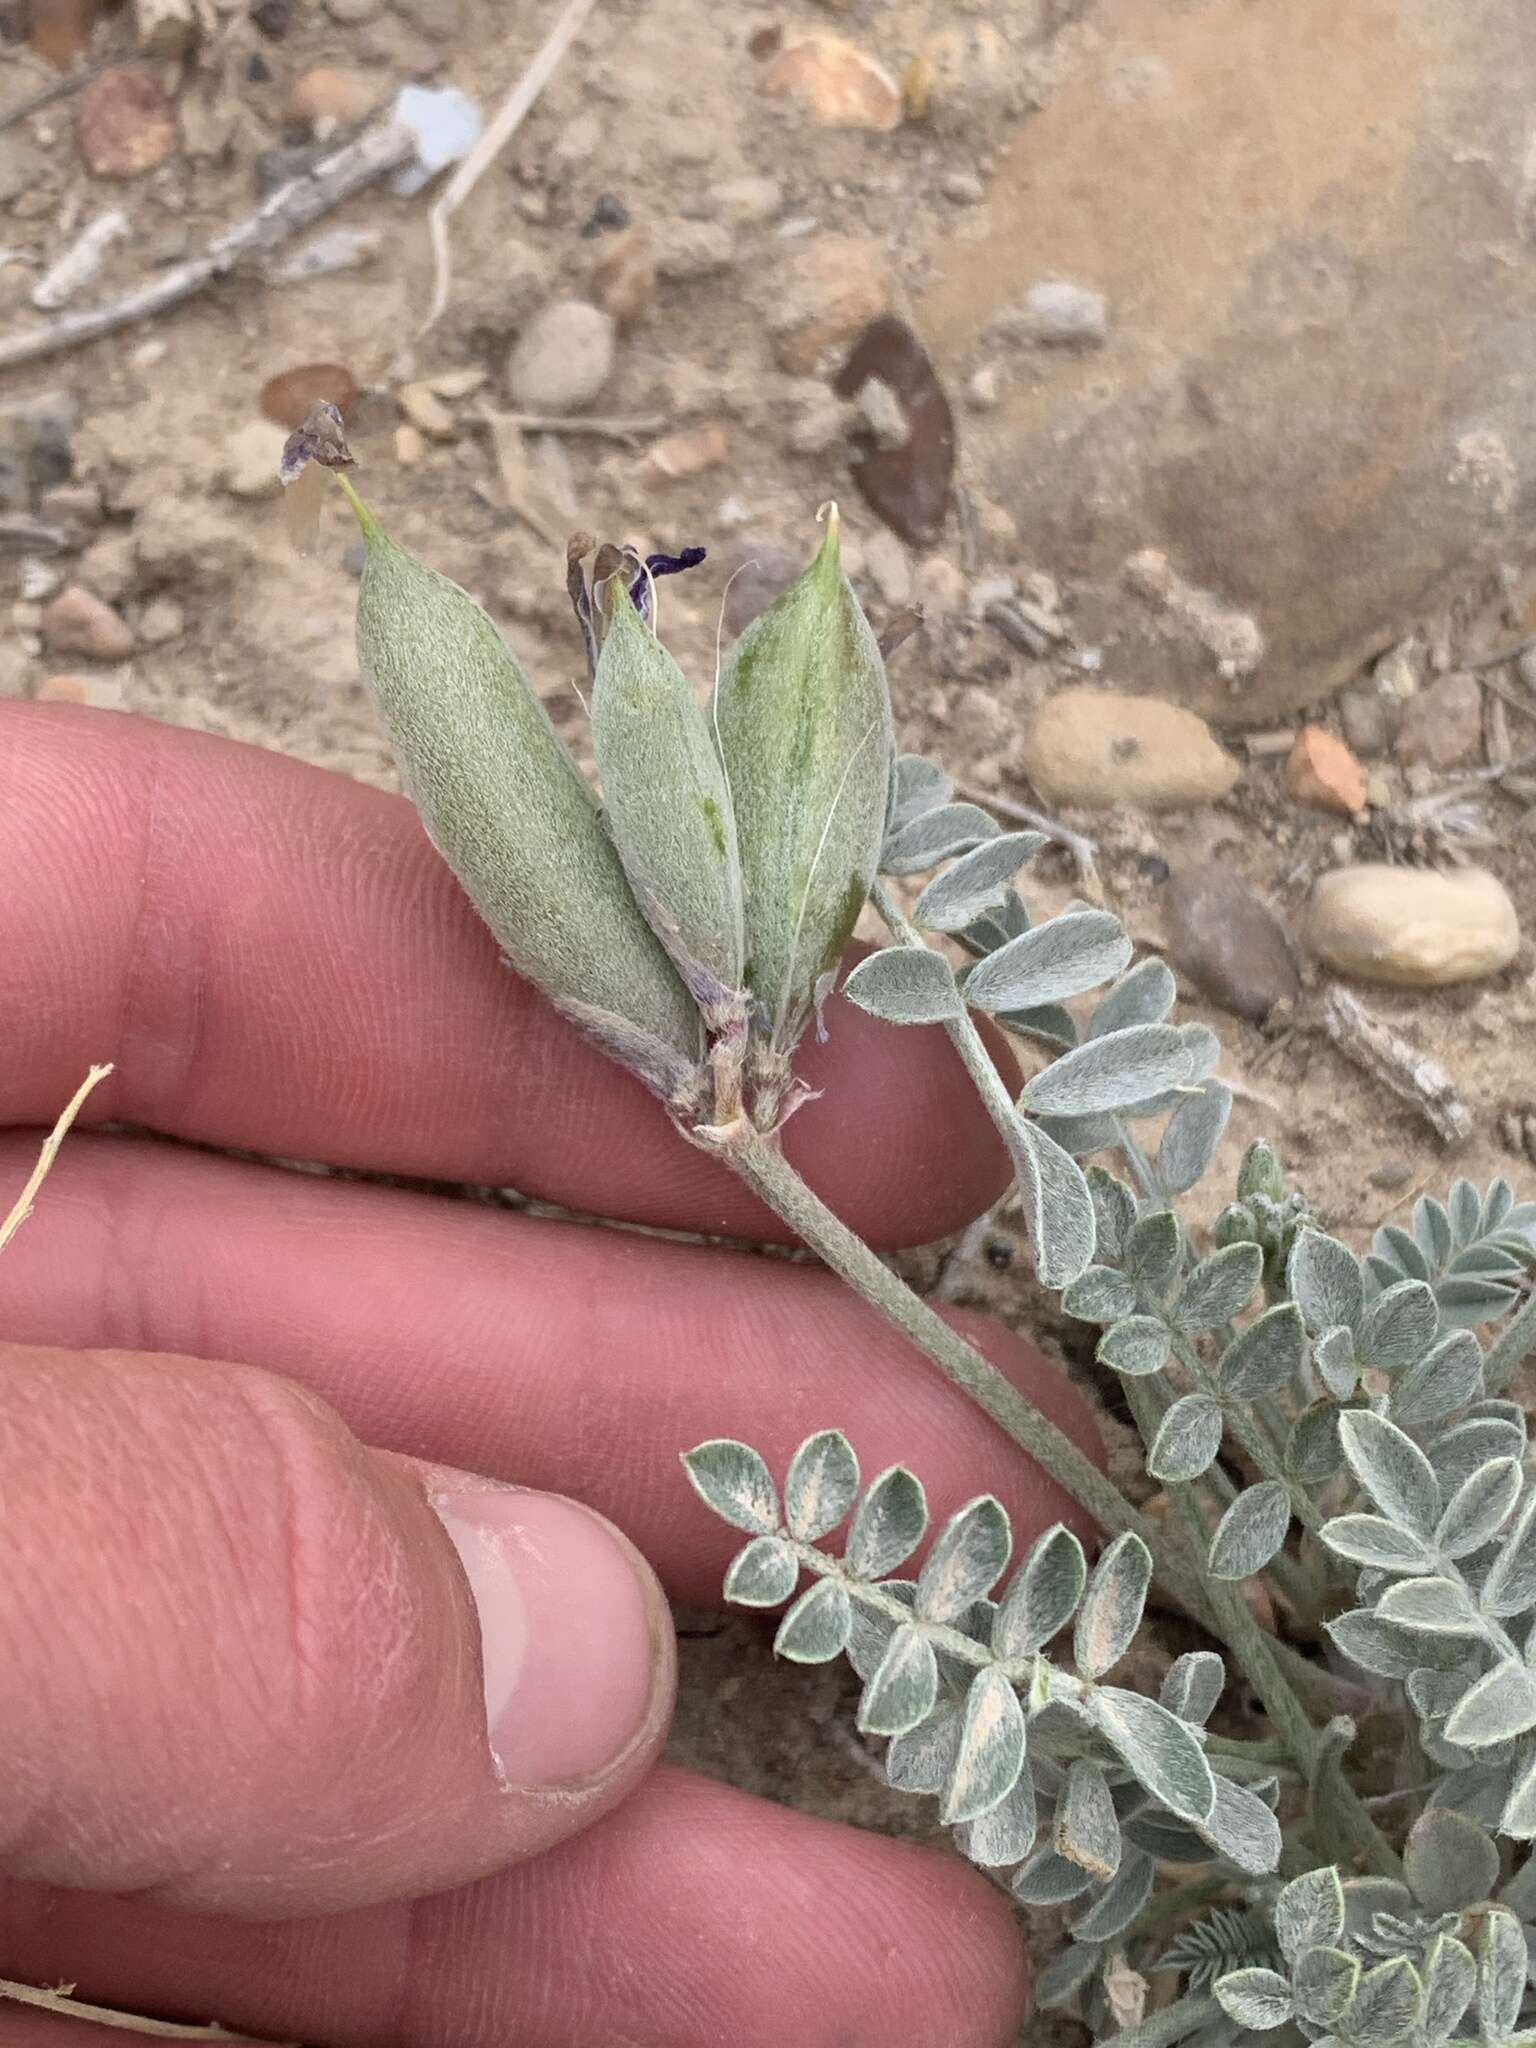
[567, 1638]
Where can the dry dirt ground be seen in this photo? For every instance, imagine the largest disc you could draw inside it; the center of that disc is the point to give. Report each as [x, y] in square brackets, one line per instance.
[658, 108]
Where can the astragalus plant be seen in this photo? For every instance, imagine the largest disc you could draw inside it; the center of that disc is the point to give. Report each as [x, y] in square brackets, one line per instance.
[1334, 1426]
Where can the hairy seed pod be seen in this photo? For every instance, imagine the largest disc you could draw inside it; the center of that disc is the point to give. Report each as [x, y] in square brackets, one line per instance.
[667, 802]
[804, 718]
[511, 813]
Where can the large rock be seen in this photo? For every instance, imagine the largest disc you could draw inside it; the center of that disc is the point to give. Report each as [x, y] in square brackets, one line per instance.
[1096, 749]
[1411, 927]
[1316, 225]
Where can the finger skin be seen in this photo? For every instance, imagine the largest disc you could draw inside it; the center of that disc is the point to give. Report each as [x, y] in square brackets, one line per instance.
[276, 959]
[240, 1669]
[559, 1355]
[691, 1916]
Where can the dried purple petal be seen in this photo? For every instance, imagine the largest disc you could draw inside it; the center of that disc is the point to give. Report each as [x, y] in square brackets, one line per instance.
[907, 484]
[320, 437]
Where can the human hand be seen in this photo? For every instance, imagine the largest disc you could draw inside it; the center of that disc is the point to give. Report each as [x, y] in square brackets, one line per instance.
[247, 1773]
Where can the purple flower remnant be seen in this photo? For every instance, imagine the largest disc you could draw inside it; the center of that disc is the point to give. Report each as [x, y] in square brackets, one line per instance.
[662, 565]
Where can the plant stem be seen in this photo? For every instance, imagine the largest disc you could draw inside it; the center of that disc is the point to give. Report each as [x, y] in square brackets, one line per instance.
[1173, 2023]
[55, 1138]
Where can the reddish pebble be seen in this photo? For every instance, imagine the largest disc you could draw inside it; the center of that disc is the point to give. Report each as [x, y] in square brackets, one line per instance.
[328, 96]
[125, 123]
[77, 621]
[1322, 772]
[288, 397]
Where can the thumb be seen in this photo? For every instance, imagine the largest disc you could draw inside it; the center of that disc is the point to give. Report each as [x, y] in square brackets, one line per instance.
[253, 1667]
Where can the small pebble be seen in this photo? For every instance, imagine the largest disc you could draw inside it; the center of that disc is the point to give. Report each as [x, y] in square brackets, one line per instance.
[836, 83]
[1525, 668]
[410, 445]
[984, 388]
[1412, 927]
[1443, 725]
[887, 566]
[427, 412]
[327, 97]
[1099, 748]
[608, 215]
[690, 452]
[563, 358]
[77, 621]
[963, 188]
[1229, 943]
[125, 123]
[748, 202]
[826, 291]
[624, 277]
[690, 249]
[249, 461]
[817, 419]
[1369, 716]
[161, 620]
[1322, 772]
[1390, 1175]
[39, 579]
[1056, 314]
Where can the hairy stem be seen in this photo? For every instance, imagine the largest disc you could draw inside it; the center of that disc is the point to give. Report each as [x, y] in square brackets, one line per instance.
[1173, 2023]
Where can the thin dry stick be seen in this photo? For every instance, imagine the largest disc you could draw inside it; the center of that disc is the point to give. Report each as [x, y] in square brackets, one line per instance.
[298, 204]
[514, 110]
[46, 1157]
[1396, 1064]
[105, 2016]
[602, 424]
[1078, 845]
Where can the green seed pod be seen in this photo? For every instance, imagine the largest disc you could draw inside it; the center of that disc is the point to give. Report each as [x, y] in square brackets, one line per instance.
[667, 803]
[804, 718]
[511, 813]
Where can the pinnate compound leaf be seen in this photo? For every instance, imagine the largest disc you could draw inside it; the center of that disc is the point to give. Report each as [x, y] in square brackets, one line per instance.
[1380, 1545]
[1501, 1973]
[732, 1479]
[978, 881]
[816, 1629]
[905, 985]
[1502, 1703]
[1260, 1999]
[1191, 1135]
[934, 835]
[1193, 1685]
[1136, 1346]
[1450, 1862]
[1043, 1595]
[1219, 1288]
[991, 1753]
[1118, 1907]
[1386, 2005]
[1058, 1209]
[1430, 1607]
[821, 1485]
[888, 1524]
[1380, 1646]
[1087, 1826]
[1309, 1912]
[902, 1693]
[1187, 1440]
[1100, 1295]
[1063, 957]
[1325, 1282]
[1266, 1354]
[1112, 1608]
[1110, 1073]
[1251, 1531]
[1163, 1756]
[1392, 1469]
[1479, 1508]
[1467, 1446]
[764, 1574]
[1448, 1376]
[968, 1557]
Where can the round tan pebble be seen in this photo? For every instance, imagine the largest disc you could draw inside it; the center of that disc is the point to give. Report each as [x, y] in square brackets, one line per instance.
[1099, 748]
[563, 358]
[1321, 771]
[837, 84]
[125, 123]
[1412, 927]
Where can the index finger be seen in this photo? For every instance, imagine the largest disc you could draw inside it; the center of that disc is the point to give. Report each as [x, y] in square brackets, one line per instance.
[276, 959]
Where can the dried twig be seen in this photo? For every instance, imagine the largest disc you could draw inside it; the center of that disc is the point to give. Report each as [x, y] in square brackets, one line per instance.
[106, 2016]
[1410, 1074]
[298, 204]
[21, 1209]
[513, 111]
[606, 426]
[1078, 845]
